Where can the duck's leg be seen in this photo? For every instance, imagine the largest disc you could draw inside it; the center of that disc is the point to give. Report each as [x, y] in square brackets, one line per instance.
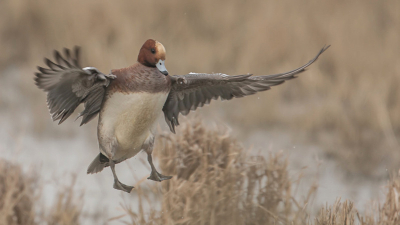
[108, 147]
[154, 175]
[117, 184]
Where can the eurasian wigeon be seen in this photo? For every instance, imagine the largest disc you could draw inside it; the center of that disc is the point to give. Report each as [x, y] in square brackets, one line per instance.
[129, 100]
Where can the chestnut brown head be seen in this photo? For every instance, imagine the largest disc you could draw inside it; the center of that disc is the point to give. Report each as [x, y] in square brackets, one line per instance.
[152, 54]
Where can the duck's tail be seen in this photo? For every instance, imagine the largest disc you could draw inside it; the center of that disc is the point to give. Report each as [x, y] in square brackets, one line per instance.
[98, 164]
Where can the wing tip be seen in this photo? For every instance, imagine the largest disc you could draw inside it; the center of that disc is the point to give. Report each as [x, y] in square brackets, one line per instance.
[171, 126]
[324, 49]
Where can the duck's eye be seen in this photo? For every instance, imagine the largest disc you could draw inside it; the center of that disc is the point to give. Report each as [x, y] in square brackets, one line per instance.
[153, 50]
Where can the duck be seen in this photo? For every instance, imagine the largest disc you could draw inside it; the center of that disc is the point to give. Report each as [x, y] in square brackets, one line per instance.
[130, 100]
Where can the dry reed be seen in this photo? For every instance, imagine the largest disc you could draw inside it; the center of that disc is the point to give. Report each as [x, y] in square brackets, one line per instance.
[17, 195]
[217, 181]
[387, 213]
[20, 202]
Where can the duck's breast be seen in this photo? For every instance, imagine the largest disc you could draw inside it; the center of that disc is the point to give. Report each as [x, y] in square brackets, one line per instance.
[130, 118]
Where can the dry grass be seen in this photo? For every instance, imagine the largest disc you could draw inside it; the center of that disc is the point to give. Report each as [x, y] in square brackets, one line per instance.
[17, 195]
[216, 181]
[344, 212]
[20, 202]
[67, 208]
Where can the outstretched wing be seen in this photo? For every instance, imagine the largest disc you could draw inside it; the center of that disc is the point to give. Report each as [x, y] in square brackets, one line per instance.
[188, 92]
[68, 85]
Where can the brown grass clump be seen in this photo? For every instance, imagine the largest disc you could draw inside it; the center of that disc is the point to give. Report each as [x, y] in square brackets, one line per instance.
[20, 203]
[67, 208]
[344, 212]
[17, 195]
[337, 214]
[217, 182]
[390, 211]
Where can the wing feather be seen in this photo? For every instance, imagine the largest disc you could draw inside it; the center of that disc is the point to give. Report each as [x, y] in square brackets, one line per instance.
[194, 90]
[67, 86]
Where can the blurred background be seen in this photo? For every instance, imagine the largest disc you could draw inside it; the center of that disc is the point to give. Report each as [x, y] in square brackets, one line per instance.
[338, 123]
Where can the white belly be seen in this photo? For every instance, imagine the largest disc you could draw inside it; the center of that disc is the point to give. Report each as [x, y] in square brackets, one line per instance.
[128, 119]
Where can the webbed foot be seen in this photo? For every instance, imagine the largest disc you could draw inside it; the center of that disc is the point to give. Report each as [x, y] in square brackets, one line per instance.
[123, 187]
[156, 176]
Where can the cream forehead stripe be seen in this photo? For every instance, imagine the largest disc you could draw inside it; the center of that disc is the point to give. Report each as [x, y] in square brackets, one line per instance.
[160, 47]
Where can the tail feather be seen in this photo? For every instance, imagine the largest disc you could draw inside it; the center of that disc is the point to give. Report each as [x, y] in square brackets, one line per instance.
[98, 164]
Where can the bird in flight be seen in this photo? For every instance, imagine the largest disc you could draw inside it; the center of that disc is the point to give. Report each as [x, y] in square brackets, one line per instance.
[129, 100]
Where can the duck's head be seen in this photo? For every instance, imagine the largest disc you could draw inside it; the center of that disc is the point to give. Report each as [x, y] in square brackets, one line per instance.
[152, 54]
